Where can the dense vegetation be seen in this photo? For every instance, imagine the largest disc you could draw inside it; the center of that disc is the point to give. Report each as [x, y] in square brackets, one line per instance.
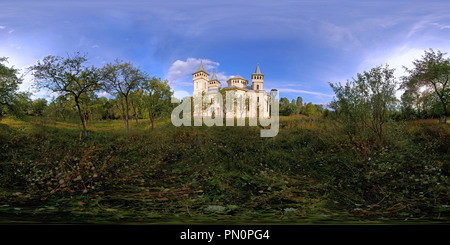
[367, 158]
[310, 172]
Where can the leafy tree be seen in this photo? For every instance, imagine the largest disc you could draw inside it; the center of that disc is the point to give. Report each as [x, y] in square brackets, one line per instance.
[38, 107]
[136, 103]
[10, 98]
[319, 109]
[299, 103]
[61, 107]
[284, 102]
[68, 77]
[290, 109]
[310, 109]
[156, 97]
[432, 71]
[407, 103]
[122, 78]
[432, 106]
[364, 103]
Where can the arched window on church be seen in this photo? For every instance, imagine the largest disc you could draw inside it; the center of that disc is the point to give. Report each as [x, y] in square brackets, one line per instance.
[257, 88]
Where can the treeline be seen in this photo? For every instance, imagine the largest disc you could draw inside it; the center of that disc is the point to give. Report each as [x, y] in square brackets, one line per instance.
[298, 107]
[425, 94]
[134, 94]
[364, 103]
[367, 104]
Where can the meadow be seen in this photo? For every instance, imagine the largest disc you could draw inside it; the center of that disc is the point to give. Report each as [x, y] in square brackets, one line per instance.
[310, 173]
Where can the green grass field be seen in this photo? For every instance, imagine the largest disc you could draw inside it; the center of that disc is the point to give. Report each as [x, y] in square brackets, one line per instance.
[309, 173]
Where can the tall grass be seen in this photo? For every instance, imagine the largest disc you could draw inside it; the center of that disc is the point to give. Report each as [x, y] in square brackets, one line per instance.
[310, 159]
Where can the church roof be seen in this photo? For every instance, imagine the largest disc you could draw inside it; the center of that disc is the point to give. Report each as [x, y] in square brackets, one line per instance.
[238, 76]
[214, 77]
[257, 70]
[238, 88]
[200, 68]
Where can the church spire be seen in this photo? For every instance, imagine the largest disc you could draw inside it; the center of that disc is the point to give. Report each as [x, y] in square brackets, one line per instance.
[200, 68]
[257, 79]
[257, 70]
[214, 77]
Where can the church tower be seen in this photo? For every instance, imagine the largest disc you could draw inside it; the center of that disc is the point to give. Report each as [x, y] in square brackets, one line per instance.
[214, 83]
[200, 78]
[257, 79]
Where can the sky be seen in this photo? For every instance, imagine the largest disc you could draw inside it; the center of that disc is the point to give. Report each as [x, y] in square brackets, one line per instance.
[300, 46]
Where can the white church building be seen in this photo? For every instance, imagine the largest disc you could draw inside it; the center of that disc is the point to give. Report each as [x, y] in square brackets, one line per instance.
[249, 99]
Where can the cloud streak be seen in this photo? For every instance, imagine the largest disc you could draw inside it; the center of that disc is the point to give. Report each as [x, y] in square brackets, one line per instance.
[300, 91]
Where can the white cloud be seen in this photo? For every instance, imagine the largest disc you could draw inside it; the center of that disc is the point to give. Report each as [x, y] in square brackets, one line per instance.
[46, 94]
[440, 26]
[104, 94]
[179, 70]
[180, 94]
[2, 27]
[222, 77]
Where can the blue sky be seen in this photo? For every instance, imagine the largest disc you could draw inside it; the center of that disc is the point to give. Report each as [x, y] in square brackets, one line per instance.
[300, 45]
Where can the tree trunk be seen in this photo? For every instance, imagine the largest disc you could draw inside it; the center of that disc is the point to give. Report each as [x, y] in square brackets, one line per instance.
[151, 120]
[445, 112]
[135, 115]
[444, 117]
[441, 98]
[134, 111]
[126, 114]
[81, 118]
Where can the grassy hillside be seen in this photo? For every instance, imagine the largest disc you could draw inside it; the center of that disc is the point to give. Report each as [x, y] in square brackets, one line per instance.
[309, 173]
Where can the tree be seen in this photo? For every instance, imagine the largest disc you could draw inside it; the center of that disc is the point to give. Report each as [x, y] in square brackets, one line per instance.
[38, 107]
[364, 103]
[61, 107]
[432, 105]
[310, 109]
[9, 84]
[432, 71]
[299, 103]
[136, 103]
[156, 97]
[68, 77]
[122, 78]
[319, 109]
[284, 103]
[290, 109]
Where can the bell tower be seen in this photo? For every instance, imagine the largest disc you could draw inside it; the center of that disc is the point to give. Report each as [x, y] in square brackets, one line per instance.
[257, 79]
[214, 83]
[200, 78]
